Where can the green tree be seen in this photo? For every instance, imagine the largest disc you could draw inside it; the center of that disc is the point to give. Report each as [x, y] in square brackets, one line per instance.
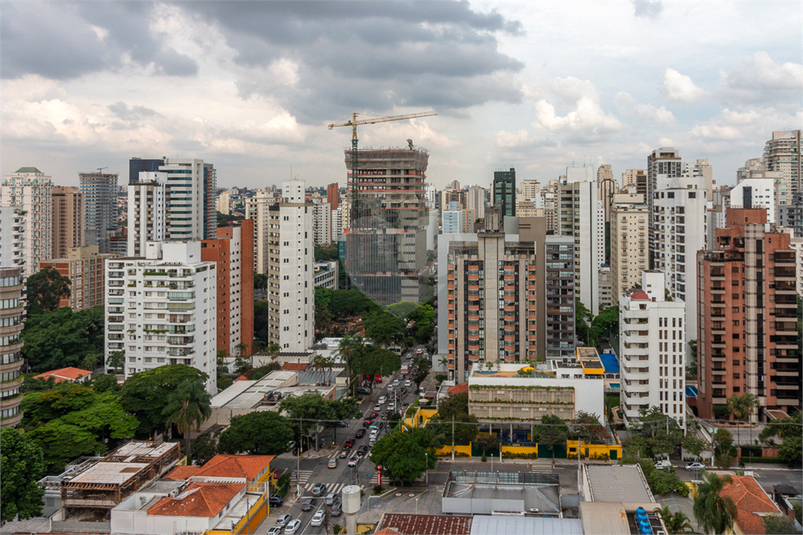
[583, 321]
[349, 303]
[105, 417]
[655, 433]
[45, 289]
[607, 323]
[487, 442]
[589, 429]
[666, 481]
[61, 442]
[376, 361]
[743, 406]
[779, 525]
[145, 394]
[189, 405]
[62, 338]
[383, 327]
[116, 360]
[260, 281]
[326, 253]
[205, 447]
[714, 513]
[694, 445]
[406, 455]
[22, 466]
[465, 428]
[675, 522]
[724, 451]
[261, 321]
[553, 432]
[257, 433]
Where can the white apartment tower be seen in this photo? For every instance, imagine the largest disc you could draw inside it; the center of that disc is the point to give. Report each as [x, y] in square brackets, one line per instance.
[146, 211]
[664, 161]
[629, 242]
[582, 217]
[782, 153]
[161, 309]
[322, 223]
[475, 200]
[256, 208]
[12, 237]
[291, 292]
[337, 224]
[680, 231]
[652, 350]
[223, 203]
[30, 191]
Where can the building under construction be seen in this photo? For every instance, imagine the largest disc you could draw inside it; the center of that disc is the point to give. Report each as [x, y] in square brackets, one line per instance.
[386, 241]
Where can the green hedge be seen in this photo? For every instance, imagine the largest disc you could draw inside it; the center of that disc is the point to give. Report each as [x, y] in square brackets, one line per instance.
[765, 460]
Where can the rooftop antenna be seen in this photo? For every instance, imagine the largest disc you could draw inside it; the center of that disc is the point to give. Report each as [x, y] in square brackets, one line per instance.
[101, 169]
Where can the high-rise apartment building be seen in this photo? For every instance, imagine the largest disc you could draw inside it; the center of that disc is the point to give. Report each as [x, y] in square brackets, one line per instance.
[559, 257]
[386, 243]
[12, 237]
[322, 223]
[100, 208]
[68, 220]
[607, 187]
[504, 191]
[791, 215]
[782, 153]
[702, 168]
[291, 292]
[604, 288]
[747, 340]
[11, 319]
[84, 267]
[635, 181]
[757, 193]
[233, 254]
[29, 190]
[475, 200]
[161, 309]
[652, 350]
[680, 231]
[629, 242]
[581, 217]
[337, 225]
[664, 161]
[491, 302]
[333, 195]
[147, 211]
[223, 203]
[257, 208]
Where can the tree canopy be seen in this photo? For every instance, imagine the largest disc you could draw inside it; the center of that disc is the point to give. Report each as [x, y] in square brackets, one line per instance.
[45, 289]
[552, 431]
[655, 433]
[257, 433]
[405, 455]
[789, 430]
[714, 513]
[62, 338]
[146, 394]
[383, 327]
[465, 428]
[189, 405]
[22, 466]
[314, 408]
[589, 429]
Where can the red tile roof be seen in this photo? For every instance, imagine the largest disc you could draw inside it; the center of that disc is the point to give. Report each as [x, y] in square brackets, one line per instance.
[181, 473]
[427, 524]
[64, 374]
[462, 388]
[198, 499]
[247, 466]
[387, 531]
[750, 499]
[640, 296]
[294, 366]
[243, 377]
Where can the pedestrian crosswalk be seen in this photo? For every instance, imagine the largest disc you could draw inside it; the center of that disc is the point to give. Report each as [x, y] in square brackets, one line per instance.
[303, 476]
[330, 487]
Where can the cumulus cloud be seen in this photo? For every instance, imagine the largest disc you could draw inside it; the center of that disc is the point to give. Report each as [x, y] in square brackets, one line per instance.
[586, 121]
[649, 9]
[628, 107]
[758, 79]
[680, 88]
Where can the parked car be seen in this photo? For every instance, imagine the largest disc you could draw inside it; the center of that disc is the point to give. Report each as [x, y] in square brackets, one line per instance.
[276, 500]
[319, 489]
[309, 504]
[283, 520]
[663, 463]
[378, 379]
[337, 509]
[365, 391]
[317, 519]
[292, 527]
[694, 467]
[276, 530]
[332, 463]
[342, 423]
[360, 433]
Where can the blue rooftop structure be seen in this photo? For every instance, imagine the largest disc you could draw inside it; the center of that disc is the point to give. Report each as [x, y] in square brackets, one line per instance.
[610, 362]
[691, 391]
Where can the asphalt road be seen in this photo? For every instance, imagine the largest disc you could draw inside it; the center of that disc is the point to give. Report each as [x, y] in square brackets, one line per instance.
[313, 468]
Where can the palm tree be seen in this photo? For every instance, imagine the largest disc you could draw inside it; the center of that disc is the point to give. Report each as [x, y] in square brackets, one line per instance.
[675, 522]
[714, 513]
[189, 404]
[444, 361]
[349, 349]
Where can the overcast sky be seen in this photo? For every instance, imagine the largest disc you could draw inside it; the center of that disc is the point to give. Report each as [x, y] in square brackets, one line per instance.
[251, 85]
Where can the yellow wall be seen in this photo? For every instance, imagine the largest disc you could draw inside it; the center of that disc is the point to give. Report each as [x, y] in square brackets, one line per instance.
[519, 450]
[593, 449]
[447, 450]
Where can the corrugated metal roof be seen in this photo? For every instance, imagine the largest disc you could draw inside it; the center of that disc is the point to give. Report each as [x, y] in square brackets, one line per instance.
[524, 525]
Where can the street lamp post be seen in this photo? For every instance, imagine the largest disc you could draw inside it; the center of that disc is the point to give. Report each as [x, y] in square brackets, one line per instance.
[426, 466]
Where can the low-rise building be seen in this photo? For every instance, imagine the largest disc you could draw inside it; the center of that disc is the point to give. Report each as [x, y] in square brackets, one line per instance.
[66, 375]
[327, 274]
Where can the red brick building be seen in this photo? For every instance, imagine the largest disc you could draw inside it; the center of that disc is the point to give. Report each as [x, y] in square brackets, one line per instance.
[747, 336]
[233, 252]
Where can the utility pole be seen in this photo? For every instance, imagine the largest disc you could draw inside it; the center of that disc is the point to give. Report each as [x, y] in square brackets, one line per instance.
[426, 465]
[452, 437]
[298, 459]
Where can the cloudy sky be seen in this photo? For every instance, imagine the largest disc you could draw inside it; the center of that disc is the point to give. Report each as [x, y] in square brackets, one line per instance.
[251, 85]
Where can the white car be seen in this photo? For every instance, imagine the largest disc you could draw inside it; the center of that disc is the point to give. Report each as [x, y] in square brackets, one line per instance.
[382, 400]
[353, 461]
[317, 519]
[283, 520]
[407, 383]
[292, 527]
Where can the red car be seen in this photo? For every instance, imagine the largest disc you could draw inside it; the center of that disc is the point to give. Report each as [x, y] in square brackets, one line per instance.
[377, 378]
[349, 443]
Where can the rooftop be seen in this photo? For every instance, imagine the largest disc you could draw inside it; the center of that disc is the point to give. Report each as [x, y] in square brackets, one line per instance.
[198, 499]
[524, 525]
[750, 499]
[248, 466]
[143, 449]
[427, 524]
[64, 374]
[613, 483]
[589, 360]
[110, 473]
[462, 388]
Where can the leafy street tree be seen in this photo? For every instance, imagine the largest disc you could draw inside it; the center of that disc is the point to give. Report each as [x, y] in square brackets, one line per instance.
[553, 432]
[205, 447]
[383, 327]
[743, 406]
[694, 445]
[779, 525]
[313, 409]
[376, 361]
[116, 360]
[45, 290]
[589, 429]
[189, 405]
[714, 513]
[257, 433]
[789, 431]
[583, 321]
[146, 394]
[22, 466]
[656, 433]
[487, 442]
[62, 338]
[606, 323]
[724, 451]
[405, 456]
[63, 442]
[424, 318]
[465, 428]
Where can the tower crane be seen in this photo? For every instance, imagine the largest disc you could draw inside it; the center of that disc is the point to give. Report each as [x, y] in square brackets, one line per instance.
[369, 119]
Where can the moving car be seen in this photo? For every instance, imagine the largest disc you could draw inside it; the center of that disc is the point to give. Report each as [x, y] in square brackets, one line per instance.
[317, 519]
[319, 489]
[382, 400]
[360, 433]
[330, 498]
[343, 454]
[292, 527]
[353, 461]
[342, 423]
[366, 423]
[377, 408]
[349, 443]
[283, 520]
[332, 463]
[337, 509]
[361, 450]
[276, 500]
[694, 467]
[309, 504]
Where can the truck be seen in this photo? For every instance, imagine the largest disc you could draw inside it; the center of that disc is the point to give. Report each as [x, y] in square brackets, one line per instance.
[404, 369]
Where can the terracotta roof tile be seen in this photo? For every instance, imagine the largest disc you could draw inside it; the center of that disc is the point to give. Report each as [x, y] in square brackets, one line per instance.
[247, 466]
[427, 524]
[387, 531]
[640, 296]
[64, 374]
[180, 473]
[749, 498]
[294, 366]
[462, 388]
[243, 377]
[198, 499]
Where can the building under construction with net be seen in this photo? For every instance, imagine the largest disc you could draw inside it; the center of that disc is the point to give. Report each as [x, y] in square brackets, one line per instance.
[386, 241]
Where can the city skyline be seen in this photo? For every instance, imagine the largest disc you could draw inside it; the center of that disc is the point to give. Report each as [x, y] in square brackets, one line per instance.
[537, 87]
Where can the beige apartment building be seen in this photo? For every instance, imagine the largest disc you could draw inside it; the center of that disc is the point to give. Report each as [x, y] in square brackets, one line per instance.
[68, 220]
[629, 242]
[84, 267]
